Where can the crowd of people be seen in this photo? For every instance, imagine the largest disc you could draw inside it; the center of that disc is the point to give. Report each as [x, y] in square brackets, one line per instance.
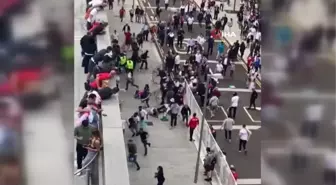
[113, 61]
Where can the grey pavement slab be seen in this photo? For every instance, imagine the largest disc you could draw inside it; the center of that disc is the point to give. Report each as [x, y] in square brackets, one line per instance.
[170, 148]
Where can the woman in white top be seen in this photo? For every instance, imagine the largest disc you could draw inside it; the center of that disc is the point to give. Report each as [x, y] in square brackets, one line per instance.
[244, 136]
[234, 105]
[219, 67]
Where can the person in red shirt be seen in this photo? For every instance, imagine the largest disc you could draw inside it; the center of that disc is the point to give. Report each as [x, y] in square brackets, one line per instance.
[193, 123]
[122, 13]
[128, 40]
[249, 63]
[97, 83]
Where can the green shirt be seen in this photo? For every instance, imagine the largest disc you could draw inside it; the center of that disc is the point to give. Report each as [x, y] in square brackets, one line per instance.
[85, 132]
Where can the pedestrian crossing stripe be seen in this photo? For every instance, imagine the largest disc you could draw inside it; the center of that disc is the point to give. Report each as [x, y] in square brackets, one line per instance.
[238, 127]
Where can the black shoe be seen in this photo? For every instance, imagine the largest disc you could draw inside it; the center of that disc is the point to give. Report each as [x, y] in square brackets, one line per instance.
[133, 135]
[149, 144]
[208, 179]
[138, 168]
[145, 154]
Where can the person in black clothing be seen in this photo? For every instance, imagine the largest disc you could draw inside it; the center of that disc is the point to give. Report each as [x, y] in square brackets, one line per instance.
[110, 4]
[143, 136]
[242, 48]
[224, 22]
[170, 62]
[185, 112]
[140, 38]
[132, 153]
[126, 28]
[201, 92]
[254, 96]
[211, 42]
[143, 58]
[158, 12]
[160, 176]
[89, 48]
[216, 12]
[200, 17]
[180, 37]
[137, 14]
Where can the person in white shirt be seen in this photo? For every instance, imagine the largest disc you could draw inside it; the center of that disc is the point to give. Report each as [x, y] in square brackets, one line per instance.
[97, 3]
[313, 116]
[190, 21]
[166, 4]
[219, 67]
[226, 63]
[227, 127]
[244, 136]
[115, 35]
[198, 57]
[200, 40]
[91, 18]
[258, 36]
[143, 113]
[182, 10]
[213, 104]
[234, 105]
[177, 62]
[190, 45]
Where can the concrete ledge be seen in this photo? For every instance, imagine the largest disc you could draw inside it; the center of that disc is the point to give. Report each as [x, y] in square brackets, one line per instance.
[115, 170]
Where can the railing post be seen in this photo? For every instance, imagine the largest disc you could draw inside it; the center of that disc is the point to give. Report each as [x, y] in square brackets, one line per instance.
[88, 175]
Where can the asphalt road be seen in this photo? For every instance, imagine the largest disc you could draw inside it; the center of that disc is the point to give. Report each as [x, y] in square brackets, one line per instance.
[248, 165]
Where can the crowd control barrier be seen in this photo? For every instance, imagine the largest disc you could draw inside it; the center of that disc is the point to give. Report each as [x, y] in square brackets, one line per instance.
[222, 169]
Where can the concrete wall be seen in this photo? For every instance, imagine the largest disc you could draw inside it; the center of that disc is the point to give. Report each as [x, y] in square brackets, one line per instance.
[115, 170]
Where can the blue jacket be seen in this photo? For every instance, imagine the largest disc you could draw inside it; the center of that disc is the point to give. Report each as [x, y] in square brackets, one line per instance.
[220, 48]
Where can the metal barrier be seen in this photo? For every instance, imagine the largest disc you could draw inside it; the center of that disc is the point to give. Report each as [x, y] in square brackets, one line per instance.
[91, 169]
[222, 170]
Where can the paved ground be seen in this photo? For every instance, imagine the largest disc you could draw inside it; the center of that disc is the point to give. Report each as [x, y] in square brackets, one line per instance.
[248, 166]
[166, 143]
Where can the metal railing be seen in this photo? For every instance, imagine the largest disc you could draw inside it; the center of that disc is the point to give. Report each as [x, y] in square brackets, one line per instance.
[91, 169]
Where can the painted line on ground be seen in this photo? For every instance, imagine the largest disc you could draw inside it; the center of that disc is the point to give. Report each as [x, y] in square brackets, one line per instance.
[258, 81]
[237, 90]
[250, 116]
[215, 121]
[238, 127]
[248, 181]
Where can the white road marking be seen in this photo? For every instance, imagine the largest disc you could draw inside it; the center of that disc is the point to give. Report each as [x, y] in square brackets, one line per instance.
[214, 121]
[237, 90]
[238, 127]
[250, 116]
[248, 181]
